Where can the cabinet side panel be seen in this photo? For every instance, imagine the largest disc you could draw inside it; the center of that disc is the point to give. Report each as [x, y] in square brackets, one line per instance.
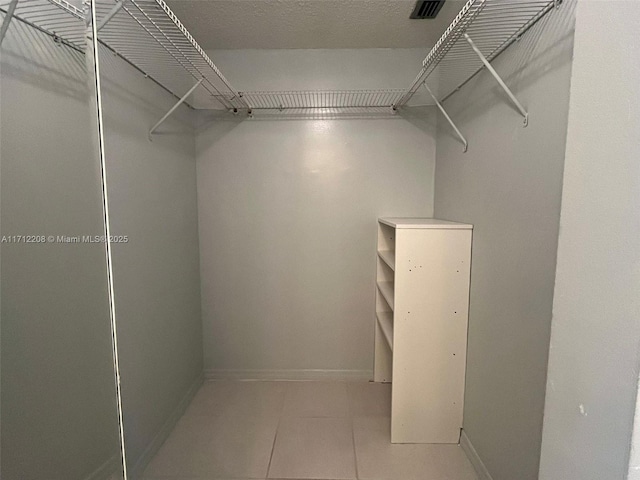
[430, 334]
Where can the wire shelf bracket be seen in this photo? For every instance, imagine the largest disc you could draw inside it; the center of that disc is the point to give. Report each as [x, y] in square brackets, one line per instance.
[493, 25]
[7, 19]
[498, 79]
[59, 19]
[144, 33]
[110, 14]
[446, 115]
[173, 109]
[168, 30]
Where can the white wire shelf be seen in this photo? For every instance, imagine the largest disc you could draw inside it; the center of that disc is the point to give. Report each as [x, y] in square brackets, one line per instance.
[493, 25]
[58, 18]
[329, 99]
[148, 35]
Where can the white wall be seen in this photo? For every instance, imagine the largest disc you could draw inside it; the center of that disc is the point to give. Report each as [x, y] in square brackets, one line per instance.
[593, 364]
[287, 215]
[152, 195]
[58, 398]
[508, 185]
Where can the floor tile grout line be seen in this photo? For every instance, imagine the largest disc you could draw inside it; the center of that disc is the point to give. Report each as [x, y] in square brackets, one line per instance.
[275, 437]
[281, 416]
[353, 440]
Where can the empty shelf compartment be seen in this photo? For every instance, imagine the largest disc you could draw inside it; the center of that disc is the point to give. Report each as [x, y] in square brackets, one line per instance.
[388, 257]
[385, 320]
[386, 289]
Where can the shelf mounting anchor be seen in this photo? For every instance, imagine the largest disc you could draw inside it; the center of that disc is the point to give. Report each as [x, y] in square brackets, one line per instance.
[493, 72]
[446, 115]
[7, 19]
[110, 14]
[173, 109]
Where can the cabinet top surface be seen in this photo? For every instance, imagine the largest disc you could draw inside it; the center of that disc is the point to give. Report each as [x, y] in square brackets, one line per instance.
[423, 223]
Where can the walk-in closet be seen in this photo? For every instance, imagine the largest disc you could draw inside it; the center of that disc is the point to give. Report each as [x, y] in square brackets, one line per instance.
[319, 239]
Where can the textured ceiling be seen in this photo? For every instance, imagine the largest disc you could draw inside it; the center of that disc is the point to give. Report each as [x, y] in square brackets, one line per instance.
[233, 24]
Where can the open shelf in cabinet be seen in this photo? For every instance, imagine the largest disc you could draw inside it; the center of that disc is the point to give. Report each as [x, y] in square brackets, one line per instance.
[386, 289]
[388, 257]
[423, 274]
[385, 320]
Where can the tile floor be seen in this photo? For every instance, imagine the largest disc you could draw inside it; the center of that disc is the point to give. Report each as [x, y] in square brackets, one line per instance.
[297, 430]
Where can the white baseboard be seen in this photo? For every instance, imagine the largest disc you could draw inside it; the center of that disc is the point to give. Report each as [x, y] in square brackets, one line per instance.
[108, 470]
[289, 375]
[165, 431]
[474, 458]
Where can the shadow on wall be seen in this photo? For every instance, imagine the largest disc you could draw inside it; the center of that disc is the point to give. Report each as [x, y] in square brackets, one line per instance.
[543, 49]
[219, 123]
[122, 84]
[33, 57]
[421, 118]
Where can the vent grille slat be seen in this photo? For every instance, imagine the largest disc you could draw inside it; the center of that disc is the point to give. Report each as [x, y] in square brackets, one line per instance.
[426, 9]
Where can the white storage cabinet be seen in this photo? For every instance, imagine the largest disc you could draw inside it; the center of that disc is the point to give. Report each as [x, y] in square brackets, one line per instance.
[422, 299]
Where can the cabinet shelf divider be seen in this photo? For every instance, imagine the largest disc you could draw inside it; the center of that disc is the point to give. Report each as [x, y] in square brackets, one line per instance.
[386, 290]
[388, 257]
[385, 320]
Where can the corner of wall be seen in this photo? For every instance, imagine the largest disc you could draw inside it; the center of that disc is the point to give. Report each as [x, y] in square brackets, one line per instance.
[154, 445]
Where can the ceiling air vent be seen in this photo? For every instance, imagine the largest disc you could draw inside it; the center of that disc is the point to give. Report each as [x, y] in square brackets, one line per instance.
[427, 9]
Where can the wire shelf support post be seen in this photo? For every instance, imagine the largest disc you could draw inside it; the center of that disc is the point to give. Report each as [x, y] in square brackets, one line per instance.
[498, 79]
[7, 19]
[493, 25]
[115, 9]
[202, 55]
[173, 109]
[468, 13]
[446, 115]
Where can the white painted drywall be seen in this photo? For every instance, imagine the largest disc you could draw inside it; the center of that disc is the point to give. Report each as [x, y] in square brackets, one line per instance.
[58, 398]
[152, 195]
[593, 363]
[508, 185]
[287, 216]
